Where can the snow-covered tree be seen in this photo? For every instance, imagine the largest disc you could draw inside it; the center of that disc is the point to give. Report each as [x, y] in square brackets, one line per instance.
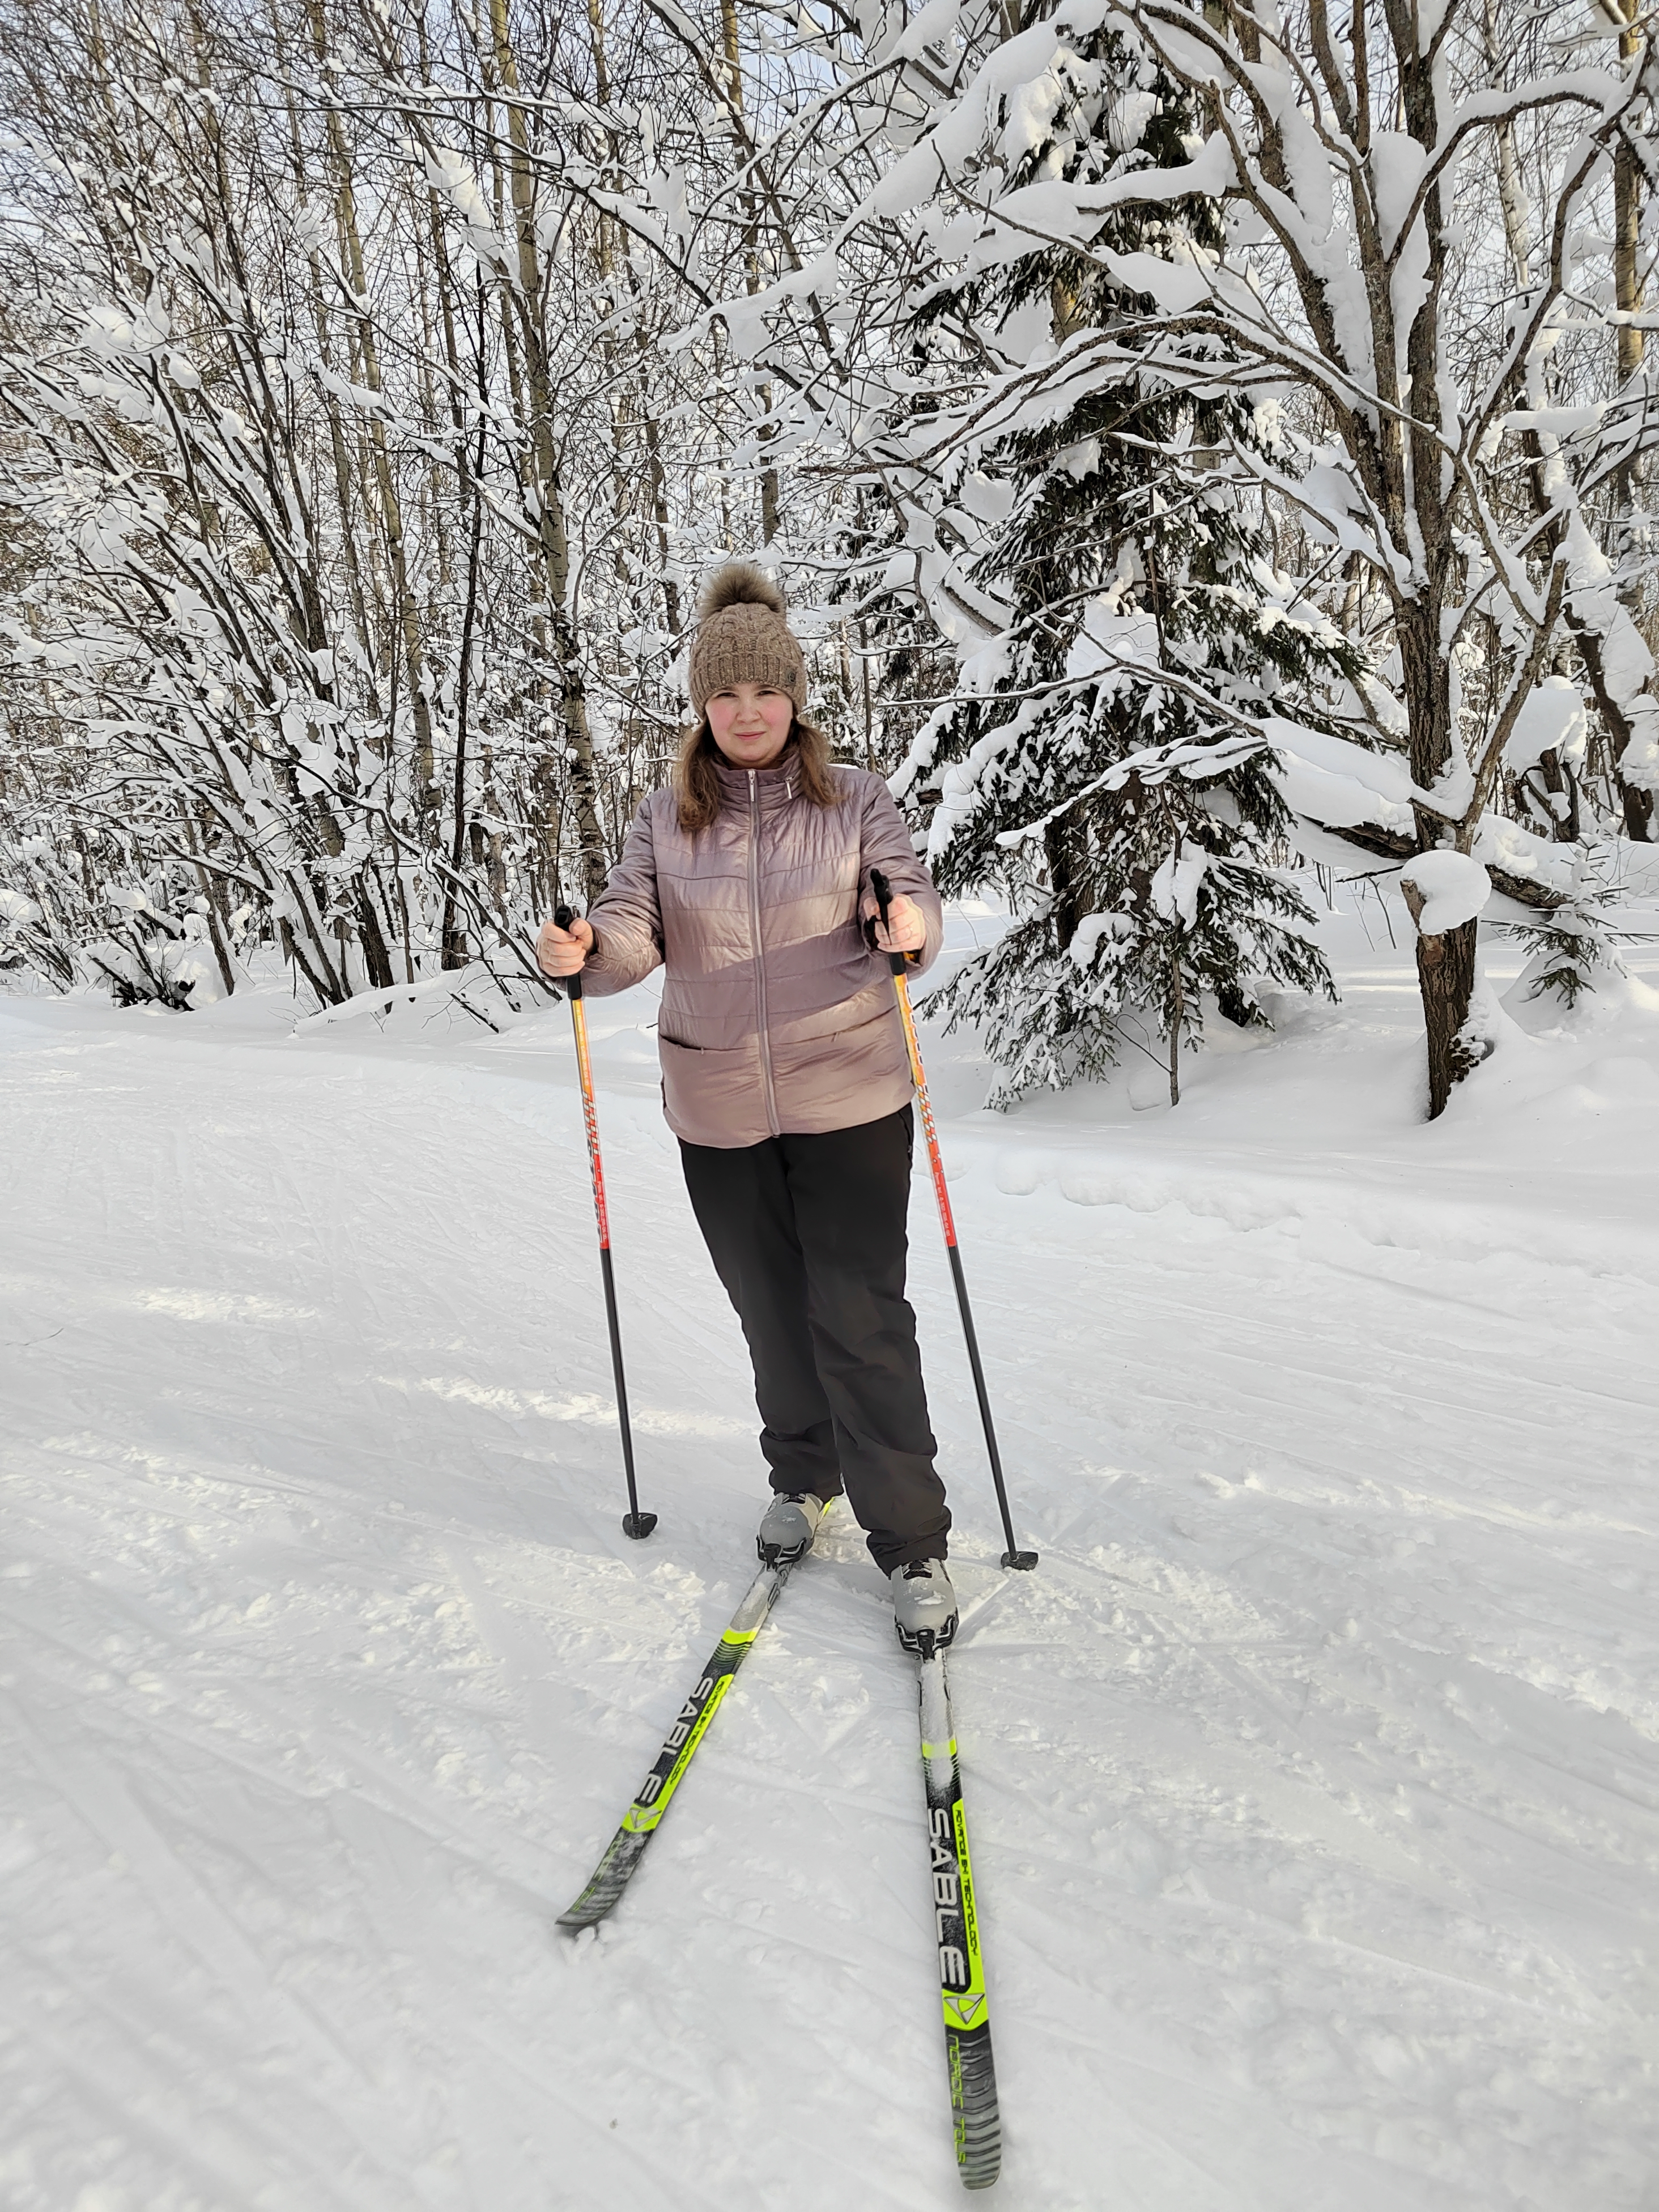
[334, 422]
[1346, 158]
[1394, 340]
[1108, 766]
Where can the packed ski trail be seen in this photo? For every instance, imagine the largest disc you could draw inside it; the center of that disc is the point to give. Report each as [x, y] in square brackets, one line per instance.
[1312, 1778]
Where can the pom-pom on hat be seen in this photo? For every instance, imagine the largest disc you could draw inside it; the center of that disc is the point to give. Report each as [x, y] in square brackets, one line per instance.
[742, 637]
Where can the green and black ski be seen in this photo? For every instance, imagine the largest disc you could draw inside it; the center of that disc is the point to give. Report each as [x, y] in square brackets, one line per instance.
[641, 1822]
[976, 2122]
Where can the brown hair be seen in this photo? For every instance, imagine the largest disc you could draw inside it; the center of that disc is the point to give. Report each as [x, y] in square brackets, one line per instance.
[696, 778]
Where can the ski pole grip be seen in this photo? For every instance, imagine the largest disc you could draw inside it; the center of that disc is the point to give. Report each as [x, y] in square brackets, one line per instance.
[563, 917]
[883, 892]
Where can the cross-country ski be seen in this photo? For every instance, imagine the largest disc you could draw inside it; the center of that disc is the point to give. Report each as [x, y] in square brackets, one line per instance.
[640, 1823]
[976, 2124]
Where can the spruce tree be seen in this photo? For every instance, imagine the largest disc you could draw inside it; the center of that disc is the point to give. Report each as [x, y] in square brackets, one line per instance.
[1107, 770]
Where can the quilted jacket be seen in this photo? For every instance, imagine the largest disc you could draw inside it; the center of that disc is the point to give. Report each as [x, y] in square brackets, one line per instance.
[776, 1017]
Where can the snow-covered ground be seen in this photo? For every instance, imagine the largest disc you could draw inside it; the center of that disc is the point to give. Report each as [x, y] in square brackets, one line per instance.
[1313, 1779]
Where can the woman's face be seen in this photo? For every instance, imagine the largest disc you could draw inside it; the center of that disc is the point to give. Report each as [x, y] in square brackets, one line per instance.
[750, 723]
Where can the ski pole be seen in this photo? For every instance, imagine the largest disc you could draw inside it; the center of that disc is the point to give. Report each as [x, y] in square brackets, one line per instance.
[634, 1523]
[1014, 1557]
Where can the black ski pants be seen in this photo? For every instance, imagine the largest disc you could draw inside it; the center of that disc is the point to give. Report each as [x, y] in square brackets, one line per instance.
[807, 1234]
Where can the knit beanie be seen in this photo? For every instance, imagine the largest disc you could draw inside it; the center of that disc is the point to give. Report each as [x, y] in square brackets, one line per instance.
[742, 638]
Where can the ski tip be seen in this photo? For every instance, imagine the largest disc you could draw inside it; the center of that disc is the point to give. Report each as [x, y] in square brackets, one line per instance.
[1022, 1562]
[610, 1879]
[638, 1525]
[594, 1905]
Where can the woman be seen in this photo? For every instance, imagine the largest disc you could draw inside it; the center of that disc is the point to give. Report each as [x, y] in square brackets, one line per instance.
[784, 1079]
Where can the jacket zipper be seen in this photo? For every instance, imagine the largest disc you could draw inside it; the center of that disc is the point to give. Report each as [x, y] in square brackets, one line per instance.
[759, 957]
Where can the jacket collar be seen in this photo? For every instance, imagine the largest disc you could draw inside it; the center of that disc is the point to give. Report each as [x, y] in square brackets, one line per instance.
[774, 786]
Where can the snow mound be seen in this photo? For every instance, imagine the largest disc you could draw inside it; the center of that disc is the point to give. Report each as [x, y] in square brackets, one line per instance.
[1551, 719]
[1454, 888]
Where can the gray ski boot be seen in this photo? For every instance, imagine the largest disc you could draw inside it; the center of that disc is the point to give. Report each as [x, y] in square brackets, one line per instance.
[788, 1527]
[924, 1606]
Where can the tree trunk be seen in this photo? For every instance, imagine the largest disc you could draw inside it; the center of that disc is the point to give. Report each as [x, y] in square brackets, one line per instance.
[376, 958]
[732, 52]
[212, 898]
[1177, 1014]
[1627, 181]
[427, 794]
[1058, 838]
[528, 306]
[1445, 976]
[1445, 965]
[1627, 219]
[455, 953]
[1638, 804]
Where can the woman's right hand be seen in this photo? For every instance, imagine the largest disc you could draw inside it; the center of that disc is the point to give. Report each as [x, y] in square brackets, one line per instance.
[561, 952]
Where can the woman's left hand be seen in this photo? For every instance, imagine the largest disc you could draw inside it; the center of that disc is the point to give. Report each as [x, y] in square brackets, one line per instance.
[906, 926]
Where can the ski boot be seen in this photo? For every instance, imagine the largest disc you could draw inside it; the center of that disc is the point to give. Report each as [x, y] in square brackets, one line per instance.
[924, 1606]
[788, 1527]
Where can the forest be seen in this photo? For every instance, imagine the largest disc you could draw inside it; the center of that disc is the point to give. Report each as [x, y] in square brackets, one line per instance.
[1205, 447]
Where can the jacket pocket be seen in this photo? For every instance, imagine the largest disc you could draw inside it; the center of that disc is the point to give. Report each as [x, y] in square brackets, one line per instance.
[869, 1027]
[714, 1097]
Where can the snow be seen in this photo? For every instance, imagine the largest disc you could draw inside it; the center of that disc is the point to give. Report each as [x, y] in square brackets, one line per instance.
[1174, 886]
[916, 176]
[1178, 288]
[1110, 642]
[1330, 779]
[1076, 210]
[1398, 163]
[1552, 719]
[988, 499]
[1501, 844]
[1333, 781]
[1312, 1778]
[1454, 887]
[1307, 163]
[16, 912]
[930, 26]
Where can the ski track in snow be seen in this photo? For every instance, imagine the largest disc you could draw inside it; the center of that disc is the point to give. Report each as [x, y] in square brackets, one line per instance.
[1313, 1780]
